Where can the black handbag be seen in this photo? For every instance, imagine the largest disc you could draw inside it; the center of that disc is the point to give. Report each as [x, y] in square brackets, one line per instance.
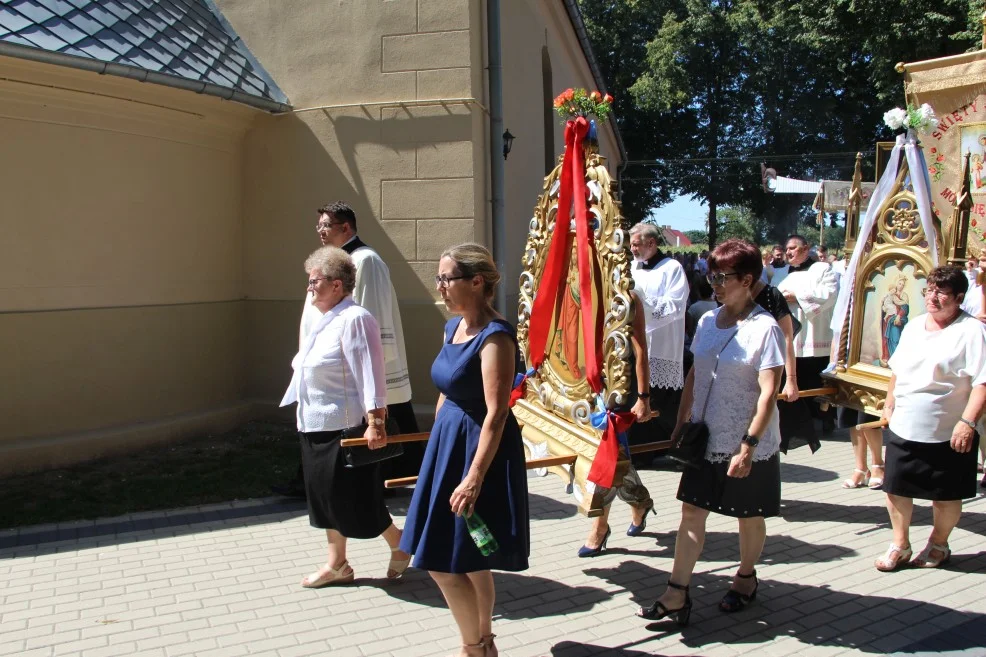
[357, 457]
[693, 439]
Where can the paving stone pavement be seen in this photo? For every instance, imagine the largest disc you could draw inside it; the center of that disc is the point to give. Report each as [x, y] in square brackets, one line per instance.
[223, 581]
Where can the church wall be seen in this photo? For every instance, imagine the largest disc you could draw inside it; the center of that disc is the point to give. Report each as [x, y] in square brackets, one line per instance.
[120, 261]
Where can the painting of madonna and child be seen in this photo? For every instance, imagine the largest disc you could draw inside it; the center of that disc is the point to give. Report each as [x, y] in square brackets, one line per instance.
[893, 298]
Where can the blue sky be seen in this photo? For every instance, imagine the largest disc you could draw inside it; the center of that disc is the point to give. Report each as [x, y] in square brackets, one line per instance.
[683, 214]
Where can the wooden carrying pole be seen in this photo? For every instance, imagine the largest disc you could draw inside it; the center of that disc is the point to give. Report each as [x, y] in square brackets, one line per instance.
[546, 462]
[813, 392]
[876, 424]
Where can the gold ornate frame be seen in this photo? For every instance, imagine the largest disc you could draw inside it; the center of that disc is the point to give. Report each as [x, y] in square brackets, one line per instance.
[554, 411]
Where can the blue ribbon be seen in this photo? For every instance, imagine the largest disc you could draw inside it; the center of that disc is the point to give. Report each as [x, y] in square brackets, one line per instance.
[520, 378]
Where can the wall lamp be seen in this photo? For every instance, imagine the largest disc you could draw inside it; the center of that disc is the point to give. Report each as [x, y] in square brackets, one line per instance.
[508, 143]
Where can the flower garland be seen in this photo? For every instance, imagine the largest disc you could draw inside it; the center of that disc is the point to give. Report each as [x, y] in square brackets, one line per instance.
[920, 119]
[573, 103]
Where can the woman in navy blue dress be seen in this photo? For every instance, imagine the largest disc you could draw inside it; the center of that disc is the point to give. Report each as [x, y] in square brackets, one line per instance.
[474, 461]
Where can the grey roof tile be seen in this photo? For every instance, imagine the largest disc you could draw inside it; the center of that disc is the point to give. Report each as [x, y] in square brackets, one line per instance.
[184, 38]
[32, 11]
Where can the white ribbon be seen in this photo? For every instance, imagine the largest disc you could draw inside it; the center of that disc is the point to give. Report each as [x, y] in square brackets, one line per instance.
[294, 391]
[921, 184]
[880, 194]
[922, 193]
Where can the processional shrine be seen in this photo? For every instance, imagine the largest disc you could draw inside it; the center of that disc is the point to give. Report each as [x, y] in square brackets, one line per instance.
[928, 209]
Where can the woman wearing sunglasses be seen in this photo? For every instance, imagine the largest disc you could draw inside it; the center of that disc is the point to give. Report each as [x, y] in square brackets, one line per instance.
[739, 353]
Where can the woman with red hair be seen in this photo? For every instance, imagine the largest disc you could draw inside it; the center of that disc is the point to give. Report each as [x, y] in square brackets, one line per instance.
[731, 387]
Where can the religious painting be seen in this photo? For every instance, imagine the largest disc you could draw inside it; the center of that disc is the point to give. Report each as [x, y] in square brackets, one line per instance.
[973, 141]
[892, 297]
[565, 351]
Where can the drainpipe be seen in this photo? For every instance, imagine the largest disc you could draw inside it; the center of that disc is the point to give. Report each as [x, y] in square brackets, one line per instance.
[496, 146]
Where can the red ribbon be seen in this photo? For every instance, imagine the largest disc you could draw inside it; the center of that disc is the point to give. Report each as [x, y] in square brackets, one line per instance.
[603, 468]
[573, 191]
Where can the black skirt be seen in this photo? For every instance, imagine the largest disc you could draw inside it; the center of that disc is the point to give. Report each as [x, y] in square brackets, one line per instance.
[848, 418]
[348, 500]
[929, 471]
[756, 495]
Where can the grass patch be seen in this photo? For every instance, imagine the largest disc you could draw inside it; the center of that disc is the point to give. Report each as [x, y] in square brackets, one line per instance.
[236, 465]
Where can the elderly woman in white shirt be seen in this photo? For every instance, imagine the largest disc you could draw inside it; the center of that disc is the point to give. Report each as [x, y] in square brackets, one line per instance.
[339, 384]
[935, 397]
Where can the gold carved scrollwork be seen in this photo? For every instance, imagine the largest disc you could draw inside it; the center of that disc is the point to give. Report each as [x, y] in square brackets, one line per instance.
[557, 403]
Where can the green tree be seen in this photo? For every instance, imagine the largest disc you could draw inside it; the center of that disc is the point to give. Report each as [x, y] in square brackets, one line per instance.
[697, 236]
[717, 86]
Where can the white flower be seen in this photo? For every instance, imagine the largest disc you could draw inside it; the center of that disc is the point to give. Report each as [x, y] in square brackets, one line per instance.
[895, 118]
[926, 112]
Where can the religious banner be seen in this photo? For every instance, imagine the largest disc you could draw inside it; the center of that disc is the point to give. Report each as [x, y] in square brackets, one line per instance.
[956, 88]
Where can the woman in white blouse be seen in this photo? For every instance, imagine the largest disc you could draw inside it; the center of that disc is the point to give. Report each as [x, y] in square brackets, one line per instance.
[339, 383]
[935, 397]
[732, 385]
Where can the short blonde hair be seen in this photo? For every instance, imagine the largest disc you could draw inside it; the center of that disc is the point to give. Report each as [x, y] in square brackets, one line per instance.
[473, 259]
[335, 264]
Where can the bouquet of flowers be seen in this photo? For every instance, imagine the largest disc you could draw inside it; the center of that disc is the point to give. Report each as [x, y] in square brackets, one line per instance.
[581, 102]
[920, 119]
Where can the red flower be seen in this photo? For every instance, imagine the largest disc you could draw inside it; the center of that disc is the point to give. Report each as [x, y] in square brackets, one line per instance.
[607, 99]
[934, 150]
[595, 96]
[940, 158]
[973, 222]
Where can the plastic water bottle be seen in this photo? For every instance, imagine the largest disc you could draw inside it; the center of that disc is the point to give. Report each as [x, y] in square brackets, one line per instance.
[481, 535]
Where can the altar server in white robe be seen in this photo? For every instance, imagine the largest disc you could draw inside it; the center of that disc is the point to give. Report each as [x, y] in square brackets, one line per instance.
[810, 288]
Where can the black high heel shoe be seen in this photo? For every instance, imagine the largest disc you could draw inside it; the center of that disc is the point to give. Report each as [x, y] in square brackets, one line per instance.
[586, 551]
[637, 530]
[657, 611]
[734, 600]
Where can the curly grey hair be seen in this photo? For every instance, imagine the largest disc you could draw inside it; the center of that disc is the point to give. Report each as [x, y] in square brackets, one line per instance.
[335, 264]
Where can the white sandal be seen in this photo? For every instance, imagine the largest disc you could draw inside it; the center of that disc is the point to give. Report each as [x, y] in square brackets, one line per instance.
[329, 576]
[849, 483]
[894, 558]
[924, 560]
[876, 483]
[397, 566]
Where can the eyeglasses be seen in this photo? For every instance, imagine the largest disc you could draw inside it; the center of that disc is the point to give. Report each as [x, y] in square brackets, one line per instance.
[719, 278]
[327, 225]
[312, 282]
[443, 281]
[935, 292]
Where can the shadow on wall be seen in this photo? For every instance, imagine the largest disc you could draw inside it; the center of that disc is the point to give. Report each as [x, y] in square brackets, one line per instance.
[300, 162]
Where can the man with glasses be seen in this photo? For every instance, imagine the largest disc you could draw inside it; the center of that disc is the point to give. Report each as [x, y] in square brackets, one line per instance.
[810, 289]
[374, 291]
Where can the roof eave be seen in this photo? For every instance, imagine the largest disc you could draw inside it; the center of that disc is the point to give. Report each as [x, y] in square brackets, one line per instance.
[141, 75]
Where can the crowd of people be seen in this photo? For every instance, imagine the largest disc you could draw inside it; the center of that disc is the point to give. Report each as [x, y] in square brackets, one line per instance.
[716, 337]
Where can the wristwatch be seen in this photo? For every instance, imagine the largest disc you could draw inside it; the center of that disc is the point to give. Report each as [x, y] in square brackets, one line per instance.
[750, 440]
[969, 422]
[643, 395]
[378, 422]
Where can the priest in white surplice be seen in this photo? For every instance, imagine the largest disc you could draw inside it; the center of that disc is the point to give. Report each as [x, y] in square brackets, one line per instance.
[810, 288]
